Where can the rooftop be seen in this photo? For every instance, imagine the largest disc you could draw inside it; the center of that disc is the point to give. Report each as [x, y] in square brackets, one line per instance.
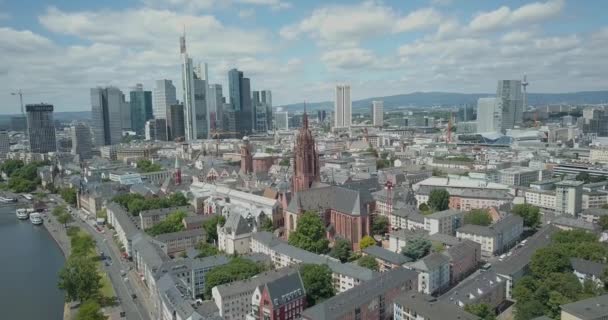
[429, 308]
[520, 258]
[386, 255]
[592, 308]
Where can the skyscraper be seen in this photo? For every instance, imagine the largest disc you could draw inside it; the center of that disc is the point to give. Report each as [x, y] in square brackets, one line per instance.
[488, 115]
[141, 108]
[267, 100]
[106, 104]
[175, 122]
[194, 84]
[260, 112]
[306, 160]
[156, 130]
[164, 96]
[215, 104]
[240, 99]
[125, 113]
[82, 143]
[4, 144]
[510, 101]
[378, 113]
[41, 128]
[281, 120]
[343, 107]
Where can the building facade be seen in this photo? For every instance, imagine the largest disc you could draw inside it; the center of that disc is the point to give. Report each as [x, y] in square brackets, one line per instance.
[41, 128]
[342, 107]
[510, 102]
[569, 197]
[141, 108]
[106, 106]
[306, 159]
[82, 143]
[164, 97]
[377, 113]
[488, 115]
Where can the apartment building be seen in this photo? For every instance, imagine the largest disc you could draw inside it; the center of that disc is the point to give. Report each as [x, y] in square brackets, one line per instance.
[494, 239]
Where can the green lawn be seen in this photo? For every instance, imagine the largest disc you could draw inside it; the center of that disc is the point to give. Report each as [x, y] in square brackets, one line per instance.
[106, 285]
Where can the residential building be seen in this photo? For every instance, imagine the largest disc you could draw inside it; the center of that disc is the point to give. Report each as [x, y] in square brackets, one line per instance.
[164, 97]
[399, 238]
[283, 298]
[234, 299]
[191, 272]
[445, 222]
[152, 217]
[377, 113]
[342, 107]
[106, 106]
[386, 259]
[123, 224]
[595, 308]
[496, 238]
[544, 199]
[82, 144]
[141, 108]
[594, 199]
[372, 300]
[433, 273]
[593, 214]
[175, 122]
[569, 223]
[172, 302]
[41, 128]
[234, 237]
[464, 258]
[417, 306]
[488, 115]
[569, 197]
[176, 242]
[482, 288]
[509, 101]
[586, 270]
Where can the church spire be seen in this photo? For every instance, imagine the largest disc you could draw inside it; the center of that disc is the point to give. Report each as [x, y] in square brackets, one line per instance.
[305, 118]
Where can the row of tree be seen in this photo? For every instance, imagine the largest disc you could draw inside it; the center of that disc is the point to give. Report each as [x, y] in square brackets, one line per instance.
[22, 177]
[135, 203]
[172, 223]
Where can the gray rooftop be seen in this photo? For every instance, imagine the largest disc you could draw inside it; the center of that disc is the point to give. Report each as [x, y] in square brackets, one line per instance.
[506, 223]
[164, 211]
[124, 219]
[248, 285]
[577, 223]
[519, 260]
[286, 289]
[179, 235]
[431, 262]
[386, 255]
[337, 306]
[595, 212]
[588, 267]
[353, 202]
[592, 308]
[473, 288]
[445, 214]
[429, 308]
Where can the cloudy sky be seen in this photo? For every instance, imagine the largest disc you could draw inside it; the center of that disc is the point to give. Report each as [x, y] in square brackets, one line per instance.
[56, 50]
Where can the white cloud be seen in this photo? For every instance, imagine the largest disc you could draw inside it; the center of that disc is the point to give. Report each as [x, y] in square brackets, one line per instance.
[348, 58]
[517, 36]
[504, 16]
[246, 13]
[419, 19]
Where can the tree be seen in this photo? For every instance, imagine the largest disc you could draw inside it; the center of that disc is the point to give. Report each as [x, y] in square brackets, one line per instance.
[342, 250]
[479, 217]
[173, 223]
[90, 310]
[58, 210]
[310, 234]
[284, 163]
[438, 173]
[583, 176]
[529, 213]
[367, 241]
[548, 260]
[379, 225]
[206, 250]
[10, 166]
[65, 218]
[423, 207]
[482, 310]
[69, 195]
[604, 222]
[438, 246]
[417, 248]
[79, 279]
[368, 262]
[605, 206]
[439, 199]
[210, 227]
[82, 245]
[266, 224]
[145, 165]
[235, 270]
[317, 279]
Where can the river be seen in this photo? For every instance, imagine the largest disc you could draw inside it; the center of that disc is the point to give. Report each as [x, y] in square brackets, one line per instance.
[29, 263]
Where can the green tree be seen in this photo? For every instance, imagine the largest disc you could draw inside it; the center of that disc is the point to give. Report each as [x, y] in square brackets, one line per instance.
[424, 207]
[482, 310]
[64, 219]
[438, 246]
[604, 222]
[548, 260]
[438, 173]
[379, 225]
[145, 165]
[417, 248]
[342, 250]
[10, 166]
[173, 223]
[69, 195]
[58, 210]
[605, 206]
[237, 269]
[82, 244]
[310, 234]
[266, 224]
[284, 163]
[439, 199]
[90, 310]
[206, 249]
[480, 217]
[367, 241]
[79, 279]
[210, 227]
[368, 262]
[317, 279]
[529, 213]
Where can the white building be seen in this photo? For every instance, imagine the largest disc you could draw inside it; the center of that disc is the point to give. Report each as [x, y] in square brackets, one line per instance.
[342, 107]
[163, 97]
[522, 176]
[281, 120]
[509, 100]
[433, 272]
[488, 115]
[444, 222]
[235, 235]
[598, 155]
[544, 199]
[378, 113]
[569, 197]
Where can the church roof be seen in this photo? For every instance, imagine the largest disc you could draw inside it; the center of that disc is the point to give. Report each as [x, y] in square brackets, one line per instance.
[353, 202]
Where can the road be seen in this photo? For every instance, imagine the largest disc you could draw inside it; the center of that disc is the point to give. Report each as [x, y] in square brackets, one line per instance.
[133, 308]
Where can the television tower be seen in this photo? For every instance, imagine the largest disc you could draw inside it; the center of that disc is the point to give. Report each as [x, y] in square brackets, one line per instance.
[524, 84]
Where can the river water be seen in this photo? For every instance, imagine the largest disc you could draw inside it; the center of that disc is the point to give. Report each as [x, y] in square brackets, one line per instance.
[29, 263]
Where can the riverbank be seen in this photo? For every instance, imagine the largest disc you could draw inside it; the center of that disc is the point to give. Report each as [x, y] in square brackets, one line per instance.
[59, 234]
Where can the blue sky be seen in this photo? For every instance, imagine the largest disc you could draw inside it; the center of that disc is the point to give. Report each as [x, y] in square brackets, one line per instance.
[57, 50]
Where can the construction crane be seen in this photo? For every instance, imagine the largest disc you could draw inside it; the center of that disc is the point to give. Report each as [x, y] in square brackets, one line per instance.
[20, 94]
[217, 134]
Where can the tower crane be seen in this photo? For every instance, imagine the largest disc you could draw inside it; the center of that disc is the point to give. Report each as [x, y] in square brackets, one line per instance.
[217, 134]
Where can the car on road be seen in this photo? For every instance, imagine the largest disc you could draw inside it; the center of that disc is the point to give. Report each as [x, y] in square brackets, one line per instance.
[134, 296]
[123, 273]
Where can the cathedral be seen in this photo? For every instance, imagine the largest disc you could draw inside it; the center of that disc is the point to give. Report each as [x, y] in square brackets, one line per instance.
[306, 160]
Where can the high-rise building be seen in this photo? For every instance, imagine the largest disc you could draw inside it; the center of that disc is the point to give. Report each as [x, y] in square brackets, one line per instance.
[202, 124]
[306, 160]
[41, 128]
[240, 99]
[156, 130]
[141, 108]
[488, 115]
[569, 197]
[194, 84]
[260, 112]
[215, 104]
[4, 144]
[267, 101]
[164, 97]
[343, 107]
[321, 115]
[82, 144]
[125, 114]
[594, 122]
[510, 101]
[281, 120]
[106, 106]
[378, 113]
[175, 122]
